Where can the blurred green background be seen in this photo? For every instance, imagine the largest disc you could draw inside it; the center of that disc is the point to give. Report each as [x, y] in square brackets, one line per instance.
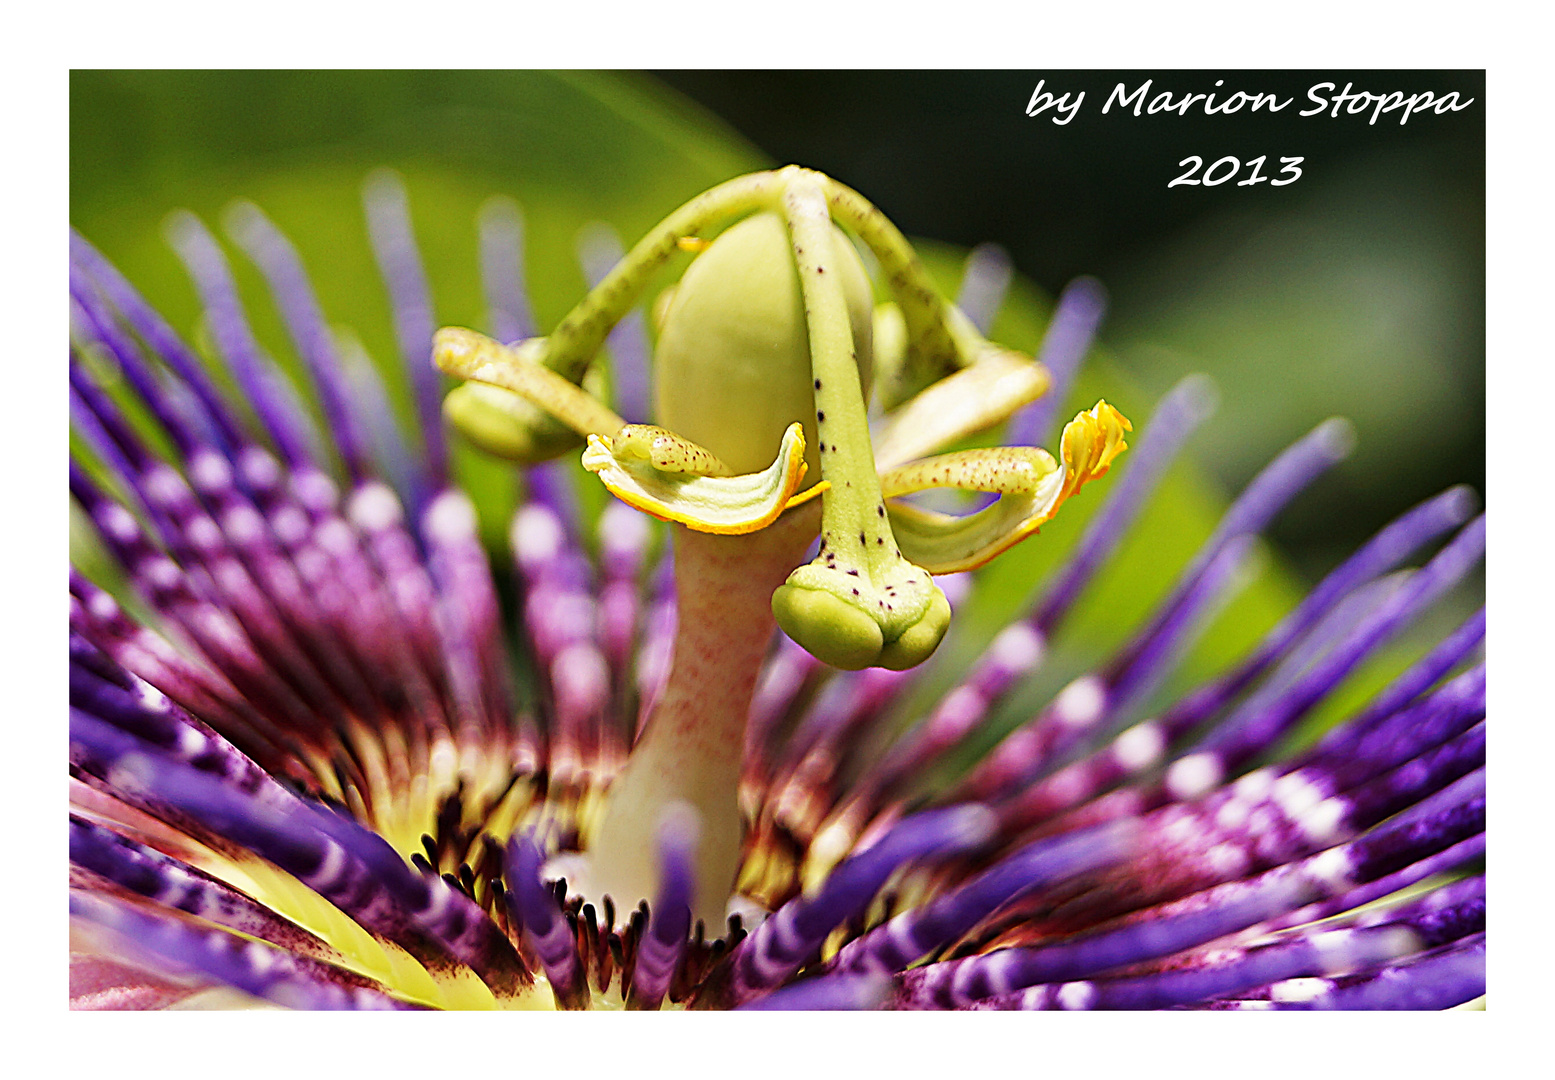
[1357, 291]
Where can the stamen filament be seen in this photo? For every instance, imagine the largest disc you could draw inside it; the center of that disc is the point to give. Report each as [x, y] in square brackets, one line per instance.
[572, 345]
[939, 338]
[466, 354]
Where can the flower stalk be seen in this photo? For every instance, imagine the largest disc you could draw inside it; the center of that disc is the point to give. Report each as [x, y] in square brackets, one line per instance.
[690, 750]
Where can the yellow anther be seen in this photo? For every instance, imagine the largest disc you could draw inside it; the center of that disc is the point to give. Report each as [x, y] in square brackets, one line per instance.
[1090, 441]
[674, 479]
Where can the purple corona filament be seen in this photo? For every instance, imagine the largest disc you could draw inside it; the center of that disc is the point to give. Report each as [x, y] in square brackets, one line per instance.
[153, 329]
[502, 271]
[787, 939]
[546, 929]
[279, 262]
[388, 225]
[1076, 318]
[599, 249]
[262, 385]
[985, 279]
[661, 949]
[265, 972]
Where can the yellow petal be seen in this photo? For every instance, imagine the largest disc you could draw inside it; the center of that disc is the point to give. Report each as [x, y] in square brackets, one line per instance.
[673, 479]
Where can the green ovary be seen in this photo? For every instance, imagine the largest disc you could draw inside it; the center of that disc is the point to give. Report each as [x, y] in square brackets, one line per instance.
[733, 360]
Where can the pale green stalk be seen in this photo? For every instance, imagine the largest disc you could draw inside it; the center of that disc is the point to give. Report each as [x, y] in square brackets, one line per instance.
[691, 748]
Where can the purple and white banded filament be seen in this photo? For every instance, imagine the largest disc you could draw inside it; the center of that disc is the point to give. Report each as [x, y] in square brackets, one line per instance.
[790, 936]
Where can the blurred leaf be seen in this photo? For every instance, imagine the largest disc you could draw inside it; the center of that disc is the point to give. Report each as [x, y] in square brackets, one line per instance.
[1364, 298]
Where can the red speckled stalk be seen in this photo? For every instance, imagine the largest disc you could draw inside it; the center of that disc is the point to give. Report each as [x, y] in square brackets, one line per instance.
[691, 748]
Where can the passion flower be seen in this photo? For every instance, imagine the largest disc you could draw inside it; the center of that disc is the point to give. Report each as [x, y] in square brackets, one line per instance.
[309, 761]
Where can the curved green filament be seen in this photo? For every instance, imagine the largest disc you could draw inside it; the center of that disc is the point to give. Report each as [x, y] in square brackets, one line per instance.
[572, 345]
[467, 354]
[939, 338]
